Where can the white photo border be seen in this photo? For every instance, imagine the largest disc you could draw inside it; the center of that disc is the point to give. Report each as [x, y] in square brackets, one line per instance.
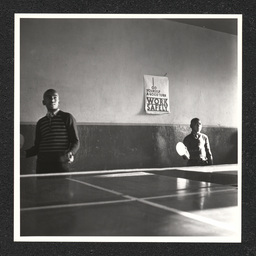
[159, 239]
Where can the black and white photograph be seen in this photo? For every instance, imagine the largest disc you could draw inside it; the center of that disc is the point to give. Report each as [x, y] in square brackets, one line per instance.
[128, 128]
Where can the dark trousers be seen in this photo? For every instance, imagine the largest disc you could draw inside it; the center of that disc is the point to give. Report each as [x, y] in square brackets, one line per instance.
[51, 167]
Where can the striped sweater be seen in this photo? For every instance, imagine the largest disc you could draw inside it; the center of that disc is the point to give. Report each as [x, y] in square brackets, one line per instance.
[55, 137]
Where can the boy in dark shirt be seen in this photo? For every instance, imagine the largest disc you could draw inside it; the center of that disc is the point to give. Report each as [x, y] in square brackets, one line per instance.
[198, 145]
[56, 139]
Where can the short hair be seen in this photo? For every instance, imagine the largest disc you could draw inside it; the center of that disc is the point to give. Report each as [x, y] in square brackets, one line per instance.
[49, 91]
[193, 121]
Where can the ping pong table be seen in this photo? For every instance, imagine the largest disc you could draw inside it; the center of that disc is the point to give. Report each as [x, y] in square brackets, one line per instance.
[164, 202]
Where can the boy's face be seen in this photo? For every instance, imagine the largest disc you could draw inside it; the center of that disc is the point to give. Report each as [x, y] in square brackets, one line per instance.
[196, 126]
[51, 101]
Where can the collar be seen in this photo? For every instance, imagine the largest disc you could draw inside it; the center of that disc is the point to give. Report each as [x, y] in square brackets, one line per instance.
[196, 135]
[52, 114]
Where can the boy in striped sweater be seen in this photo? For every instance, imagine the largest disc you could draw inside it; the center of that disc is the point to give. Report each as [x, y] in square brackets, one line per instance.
[56, 139]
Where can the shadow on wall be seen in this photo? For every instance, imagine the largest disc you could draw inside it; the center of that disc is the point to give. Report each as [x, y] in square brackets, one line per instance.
[166, 138]
[105, 147]
[232, 156]
[223, 143]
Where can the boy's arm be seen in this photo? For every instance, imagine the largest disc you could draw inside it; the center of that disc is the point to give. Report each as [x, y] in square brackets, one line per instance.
[73, 135]
[208, 151]
[185, 142]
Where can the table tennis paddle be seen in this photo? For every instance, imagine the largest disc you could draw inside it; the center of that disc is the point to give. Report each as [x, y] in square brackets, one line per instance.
[182, 150]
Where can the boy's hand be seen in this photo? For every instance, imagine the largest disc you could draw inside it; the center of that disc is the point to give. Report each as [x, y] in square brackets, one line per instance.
[70, 157]
[210, 161]
[185, 157]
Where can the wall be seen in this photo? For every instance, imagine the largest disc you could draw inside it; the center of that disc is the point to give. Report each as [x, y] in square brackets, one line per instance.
[97, 66]
[107, 147]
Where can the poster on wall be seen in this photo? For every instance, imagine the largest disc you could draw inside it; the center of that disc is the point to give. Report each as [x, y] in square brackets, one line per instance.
[156, 94]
